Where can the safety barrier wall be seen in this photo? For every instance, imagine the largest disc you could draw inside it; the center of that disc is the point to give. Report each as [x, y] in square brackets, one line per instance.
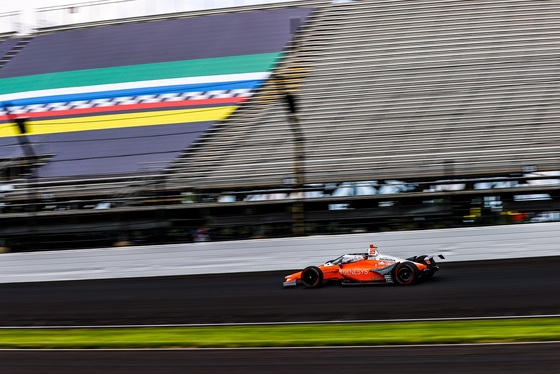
[462, 244]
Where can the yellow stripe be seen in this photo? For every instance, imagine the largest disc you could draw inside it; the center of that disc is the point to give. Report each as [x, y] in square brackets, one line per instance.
[115, 121]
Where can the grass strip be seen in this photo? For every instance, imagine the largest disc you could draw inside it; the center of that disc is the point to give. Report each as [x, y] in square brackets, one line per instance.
[515, 330]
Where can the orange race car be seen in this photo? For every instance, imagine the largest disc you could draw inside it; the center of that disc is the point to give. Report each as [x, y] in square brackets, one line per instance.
[367, 268]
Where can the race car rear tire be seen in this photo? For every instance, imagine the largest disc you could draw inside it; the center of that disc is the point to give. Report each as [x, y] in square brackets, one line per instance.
[311, 277]
[405, 273]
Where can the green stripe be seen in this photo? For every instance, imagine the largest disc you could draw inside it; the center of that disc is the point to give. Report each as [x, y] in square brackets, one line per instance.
[450, 332]
[162, 70]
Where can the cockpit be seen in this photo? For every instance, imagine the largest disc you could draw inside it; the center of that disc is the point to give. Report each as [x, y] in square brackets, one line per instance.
[348, 258]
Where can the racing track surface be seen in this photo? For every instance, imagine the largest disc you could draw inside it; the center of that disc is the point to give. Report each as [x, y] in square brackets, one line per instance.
[491, 288]
[471, 289]
[459, 359]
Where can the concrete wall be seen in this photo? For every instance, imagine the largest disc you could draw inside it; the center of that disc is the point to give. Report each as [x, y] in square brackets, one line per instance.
[463, 244]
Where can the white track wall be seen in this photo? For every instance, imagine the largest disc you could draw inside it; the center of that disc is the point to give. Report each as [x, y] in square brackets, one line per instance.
[462, 244]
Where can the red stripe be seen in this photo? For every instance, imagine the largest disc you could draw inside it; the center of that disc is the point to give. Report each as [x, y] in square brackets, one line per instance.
[113, 108]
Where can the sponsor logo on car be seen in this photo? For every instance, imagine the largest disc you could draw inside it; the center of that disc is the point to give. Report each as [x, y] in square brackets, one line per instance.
[354, 271]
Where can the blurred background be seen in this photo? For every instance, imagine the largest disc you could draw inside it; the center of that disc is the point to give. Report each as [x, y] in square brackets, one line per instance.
[137, 122]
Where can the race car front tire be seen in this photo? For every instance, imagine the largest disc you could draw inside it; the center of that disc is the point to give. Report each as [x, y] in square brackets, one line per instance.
[405, 273]
[311, 277]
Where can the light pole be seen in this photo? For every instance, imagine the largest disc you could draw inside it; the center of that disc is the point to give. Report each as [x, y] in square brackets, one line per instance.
[298, 221]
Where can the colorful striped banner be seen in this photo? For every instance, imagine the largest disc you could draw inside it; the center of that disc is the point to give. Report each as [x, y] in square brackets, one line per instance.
[158, 93]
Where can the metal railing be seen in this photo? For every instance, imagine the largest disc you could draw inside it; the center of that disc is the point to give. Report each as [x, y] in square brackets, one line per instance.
[154, 210]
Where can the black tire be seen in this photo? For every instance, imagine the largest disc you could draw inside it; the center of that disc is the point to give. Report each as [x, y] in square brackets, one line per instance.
[311, 277]
[405, 274]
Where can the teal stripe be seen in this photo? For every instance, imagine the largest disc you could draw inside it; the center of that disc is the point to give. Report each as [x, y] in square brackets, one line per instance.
[163, 70]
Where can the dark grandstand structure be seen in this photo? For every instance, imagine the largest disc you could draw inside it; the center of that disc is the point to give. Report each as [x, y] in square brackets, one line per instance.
[297, 118]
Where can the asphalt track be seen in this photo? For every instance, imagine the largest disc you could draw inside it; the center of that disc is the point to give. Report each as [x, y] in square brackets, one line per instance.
[470, 289]
[475, 289]
[460, 359]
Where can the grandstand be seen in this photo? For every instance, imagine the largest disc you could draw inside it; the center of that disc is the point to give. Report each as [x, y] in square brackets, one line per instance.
[401, 89]
[413, 114]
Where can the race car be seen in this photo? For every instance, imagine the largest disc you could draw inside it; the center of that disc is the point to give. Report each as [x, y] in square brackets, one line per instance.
[366, 268]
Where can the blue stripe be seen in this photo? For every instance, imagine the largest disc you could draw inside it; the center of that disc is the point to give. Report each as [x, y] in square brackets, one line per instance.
[248, 84]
